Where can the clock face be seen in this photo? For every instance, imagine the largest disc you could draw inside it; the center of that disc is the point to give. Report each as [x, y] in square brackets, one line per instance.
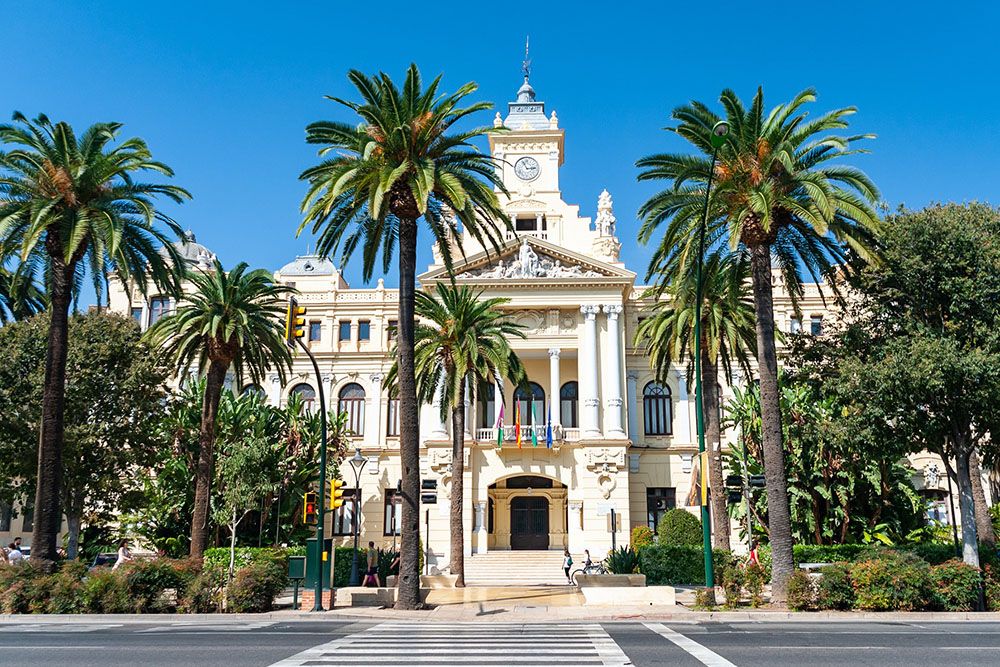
[527, 169]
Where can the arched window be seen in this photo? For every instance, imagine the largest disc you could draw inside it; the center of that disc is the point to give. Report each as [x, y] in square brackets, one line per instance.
[486, 414]
[657, 409]
[252, 389]
[306, 393]
[352, 401]
[531, 398]
[569, 395]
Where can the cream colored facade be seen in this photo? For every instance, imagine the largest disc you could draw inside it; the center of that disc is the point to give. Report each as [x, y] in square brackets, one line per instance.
[613, 447]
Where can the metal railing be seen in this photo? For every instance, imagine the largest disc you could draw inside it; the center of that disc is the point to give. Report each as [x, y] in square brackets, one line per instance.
[559, 434]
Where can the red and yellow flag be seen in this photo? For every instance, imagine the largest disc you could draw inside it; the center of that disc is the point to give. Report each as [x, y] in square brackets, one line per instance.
[517, 423]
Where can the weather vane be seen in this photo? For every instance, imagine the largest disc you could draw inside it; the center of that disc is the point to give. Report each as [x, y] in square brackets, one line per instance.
[526, 64]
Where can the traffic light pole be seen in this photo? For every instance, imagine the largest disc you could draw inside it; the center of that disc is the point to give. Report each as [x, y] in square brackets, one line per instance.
[320, 536]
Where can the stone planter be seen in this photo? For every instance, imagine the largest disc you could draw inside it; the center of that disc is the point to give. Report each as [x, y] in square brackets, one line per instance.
[611, 580]
[428, 580]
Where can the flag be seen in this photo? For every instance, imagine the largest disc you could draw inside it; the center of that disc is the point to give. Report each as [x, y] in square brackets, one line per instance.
[517, 423]
[500, 428]
[534, 428]
[548, 428]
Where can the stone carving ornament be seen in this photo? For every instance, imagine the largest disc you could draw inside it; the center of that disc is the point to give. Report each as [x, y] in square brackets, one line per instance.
[529, 265]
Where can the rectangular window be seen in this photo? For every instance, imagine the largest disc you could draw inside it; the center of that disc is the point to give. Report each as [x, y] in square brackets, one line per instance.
[345, 330]
[364, 330]
[391, 329]
[28, 522]
[137, 314]
[315, 328]
[795, 325]
[343, 516]
[158, 307]
[659, 500]
[393, 512]
[392, 418]
[816, 325]
[6, 511]
[526, 224]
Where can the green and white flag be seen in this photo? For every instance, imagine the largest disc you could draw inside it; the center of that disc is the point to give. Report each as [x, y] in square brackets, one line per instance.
[534, 427]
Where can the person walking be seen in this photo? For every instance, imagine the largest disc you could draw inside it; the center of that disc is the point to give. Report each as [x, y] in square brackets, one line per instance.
[371, 574]
[567, 564]
[124, 555]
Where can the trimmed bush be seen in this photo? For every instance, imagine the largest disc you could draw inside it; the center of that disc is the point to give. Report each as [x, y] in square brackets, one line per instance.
[834, 589]
[254, 588]
[754, 579]
[893, 582]
[732, 584]
[956, 586]
[666, 565]
[147, 583]
[934, 553]
[203, 594]
[704, 598]
[249, 555]
[641, 536]
[992, 587]
[801, 593]
[105, 591]
[679, 527]
[65, 589]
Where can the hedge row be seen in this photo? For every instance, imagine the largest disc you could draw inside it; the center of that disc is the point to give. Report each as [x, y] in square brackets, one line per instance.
[679, 564]
[934, 553]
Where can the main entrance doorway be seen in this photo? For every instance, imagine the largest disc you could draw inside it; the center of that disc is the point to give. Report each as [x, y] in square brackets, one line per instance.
[529, 522]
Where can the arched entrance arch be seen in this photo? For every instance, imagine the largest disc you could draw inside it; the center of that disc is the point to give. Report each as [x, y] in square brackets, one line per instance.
[527, 512]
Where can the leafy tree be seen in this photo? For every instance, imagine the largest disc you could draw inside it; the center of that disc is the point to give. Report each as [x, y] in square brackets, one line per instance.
[397, 167]
[70, 206]
[230, 321]
[462, 341]
[114, 392]
[727, 338]
[777, 196]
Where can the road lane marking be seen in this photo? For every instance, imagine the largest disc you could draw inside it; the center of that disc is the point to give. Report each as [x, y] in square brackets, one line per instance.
[703, 655]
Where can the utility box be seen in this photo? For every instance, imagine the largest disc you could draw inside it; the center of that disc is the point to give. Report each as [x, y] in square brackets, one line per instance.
[314, 567]
[296, 567]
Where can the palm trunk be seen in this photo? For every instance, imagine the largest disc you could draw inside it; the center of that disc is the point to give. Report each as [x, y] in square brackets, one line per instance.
[713, 429]
[778, 517]
[48, 514]
[409, 436]
[966, 503]
[457, 518]
[984, 525]
[206, 457]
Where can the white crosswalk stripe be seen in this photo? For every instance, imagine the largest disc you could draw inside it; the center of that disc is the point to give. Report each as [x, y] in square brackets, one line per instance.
[478, 643]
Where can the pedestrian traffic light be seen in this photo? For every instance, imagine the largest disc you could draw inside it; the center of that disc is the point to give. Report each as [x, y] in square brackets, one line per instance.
[734, 481]
[757, 481]
[336, 493]
[295, 324]
[735, 496]
[310, 513]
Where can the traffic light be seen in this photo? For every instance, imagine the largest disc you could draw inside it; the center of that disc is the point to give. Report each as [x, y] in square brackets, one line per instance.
[310, 509]
[336, 493]
[735, 496]
[295, 324]
[757, 481]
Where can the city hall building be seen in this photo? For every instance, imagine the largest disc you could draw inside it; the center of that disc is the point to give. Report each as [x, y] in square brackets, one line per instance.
[622, 441]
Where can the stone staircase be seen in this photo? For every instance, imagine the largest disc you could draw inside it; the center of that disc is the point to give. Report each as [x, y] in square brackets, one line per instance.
[515, 568]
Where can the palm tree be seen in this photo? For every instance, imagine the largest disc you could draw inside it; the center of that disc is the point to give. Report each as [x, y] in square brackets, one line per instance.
[461, 342]
[230, 320]
[400, 165]
[70, 206]
[778, 197]
[19, 296]
[727, 337]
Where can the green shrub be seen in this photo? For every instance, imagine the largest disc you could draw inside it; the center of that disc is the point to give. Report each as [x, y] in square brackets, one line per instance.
[704, 598]
[679, 527]
[754, 579]
[105, 591]
[24, 589]
[148, 581]
[801, 592]
[893, 582]
[992, 587]
[641, 536]
[934, 553]
[254, 588]
[203, 593]
[834, 589]
[342, 565]
[826, 553]
[666, 565]
[956, 586]
[66, 589]
[249, 555]
[732, 584]
[623, 560]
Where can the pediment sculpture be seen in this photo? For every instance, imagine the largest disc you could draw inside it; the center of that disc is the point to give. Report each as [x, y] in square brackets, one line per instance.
[528, 264]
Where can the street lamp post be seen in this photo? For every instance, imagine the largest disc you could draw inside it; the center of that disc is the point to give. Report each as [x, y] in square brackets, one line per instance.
[357, 464]
[320, 537]
[719, 133]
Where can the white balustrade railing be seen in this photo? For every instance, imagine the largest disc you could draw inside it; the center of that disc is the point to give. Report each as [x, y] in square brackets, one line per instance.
[559, 434]
[542, 234]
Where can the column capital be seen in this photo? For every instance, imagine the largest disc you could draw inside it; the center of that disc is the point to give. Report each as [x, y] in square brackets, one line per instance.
[554, 352]
[376, 378]
[613, 310]
[632, 376]
[590, 312]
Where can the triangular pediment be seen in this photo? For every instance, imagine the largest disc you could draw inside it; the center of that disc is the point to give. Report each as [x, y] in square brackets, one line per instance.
[529, 259]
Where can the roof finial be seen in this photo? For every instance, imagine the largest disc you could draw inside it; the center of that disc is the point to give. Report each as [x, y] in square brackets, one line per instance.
[526, 63]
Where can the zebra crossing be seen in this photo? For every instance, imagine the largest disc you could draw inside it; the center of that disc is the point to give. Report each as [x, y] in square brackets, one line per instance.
[473, 643]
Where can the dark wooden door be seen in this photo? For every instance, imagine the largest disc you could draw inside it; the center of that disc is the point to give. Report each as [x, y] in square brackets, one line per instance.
[529, 523]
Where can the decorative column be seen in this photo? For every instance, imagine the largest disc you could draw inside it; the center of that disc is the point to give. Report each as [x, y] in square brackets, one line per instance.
[482, 536]
[574, 527]
[587, 363]
[439, 430]
[613, 402]
[470, 428]
[682, 420]
[633, 406]
[373, 429]
[554, 399]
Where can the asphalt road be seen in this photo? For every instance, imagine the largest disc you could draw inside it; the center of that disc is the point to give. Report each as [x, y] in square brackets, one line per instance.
[317, 643]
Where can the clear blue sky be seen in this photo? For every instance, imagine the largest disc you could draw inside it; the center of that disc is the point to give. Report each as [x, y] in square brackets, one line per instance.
[223, 91]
